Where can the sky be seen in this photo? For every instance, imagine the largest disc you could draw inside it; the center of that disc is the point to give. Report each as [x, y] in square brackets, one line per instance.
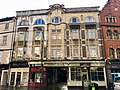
[8, 8]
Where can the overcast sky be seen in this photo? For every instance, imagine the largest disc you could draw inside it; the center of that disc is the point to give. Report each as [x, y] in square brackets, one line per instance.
[8, 8]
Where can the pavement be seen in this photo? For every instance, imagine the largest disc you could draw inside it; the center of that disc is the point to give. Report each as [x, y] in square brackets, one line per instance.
[34, 88]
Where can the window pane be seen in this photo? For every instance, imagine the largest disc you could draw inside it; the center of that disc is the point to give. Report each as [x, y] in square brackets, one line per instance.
[91, 34]
[92, 51]
[24, 77]
[6, 25]
[4, 40]
[37, 35]
[32, 77]
[21, 36]
[20, 53]
[37, 52]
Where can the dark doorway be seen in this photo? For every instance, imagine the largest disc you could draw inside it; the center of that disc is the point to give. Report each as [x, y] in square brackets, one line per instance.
[62, 75]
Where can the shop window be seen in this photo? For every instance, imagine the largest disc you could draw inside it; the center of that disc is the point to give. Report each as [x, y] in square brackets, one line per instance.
[24, 77]
[118, 52]
[97, 74]
[12, 78]
[35, 77]
[75, 74]
[89, 19]
[92, 51]
[74, 20]
[109, 34]
[56, 20]
[111, 53]
[6, 26]
[115, 34]
[91, 34]
[32, 77]
[4, 40]
[39, 21]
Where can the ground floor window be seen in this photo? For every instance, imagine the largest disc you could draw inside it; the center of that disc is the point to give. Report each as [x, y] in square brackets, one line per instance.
[75, 74]
[97, 74]
[35, 77]
[25, 77]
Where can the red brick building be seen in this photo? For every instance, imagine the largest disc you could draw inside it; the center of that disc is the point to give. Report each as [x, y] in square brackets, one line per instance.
[110, 22]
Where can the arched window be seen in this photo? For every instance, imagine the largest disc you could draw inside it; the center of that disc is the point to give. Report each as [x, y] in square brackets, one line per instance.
[74, 20]
[115, 34]
[56, 20]
[118, 52]
[89, 19]
[109, 34]
[111, 53]
[23, 23]
[39, 21]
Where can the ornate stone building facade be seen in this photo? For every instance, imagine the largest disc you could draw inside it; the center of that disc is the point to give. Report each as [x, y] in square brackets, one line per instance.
[58, 46]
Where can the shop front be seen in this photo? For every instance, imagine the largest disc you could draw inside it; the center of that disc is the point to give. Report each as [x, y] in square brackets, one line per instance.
[19, 73]
[37, 76]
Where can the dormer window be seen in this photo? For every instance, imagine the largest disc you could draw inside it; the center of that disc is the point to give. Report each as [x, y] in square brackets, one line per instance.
[39, 21]
[110, 19]
[74, 20]
[56, 20]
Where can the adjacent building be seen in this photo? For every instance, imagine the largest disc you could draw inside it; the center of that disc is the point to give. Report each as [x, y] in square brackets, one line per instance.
[110, 23]
[7, 29]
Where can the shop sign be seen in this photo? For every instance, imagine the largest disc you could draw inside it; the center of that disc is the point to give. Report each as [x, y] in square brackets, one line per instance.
[85, 65]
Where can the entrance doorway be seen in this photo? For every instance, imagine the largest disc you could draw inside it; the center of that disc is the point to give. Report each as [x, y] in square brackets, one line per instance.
[18, 78]
[85, 78]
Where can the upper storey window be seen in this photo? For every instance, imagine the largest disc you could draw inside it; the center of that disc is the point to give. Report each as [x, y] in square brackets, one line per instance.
[6, 26]
[74, 20]
[89, 19]
[23, 23]
[110, 19]
[109, 34]
[56, 20]
[39, 21]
